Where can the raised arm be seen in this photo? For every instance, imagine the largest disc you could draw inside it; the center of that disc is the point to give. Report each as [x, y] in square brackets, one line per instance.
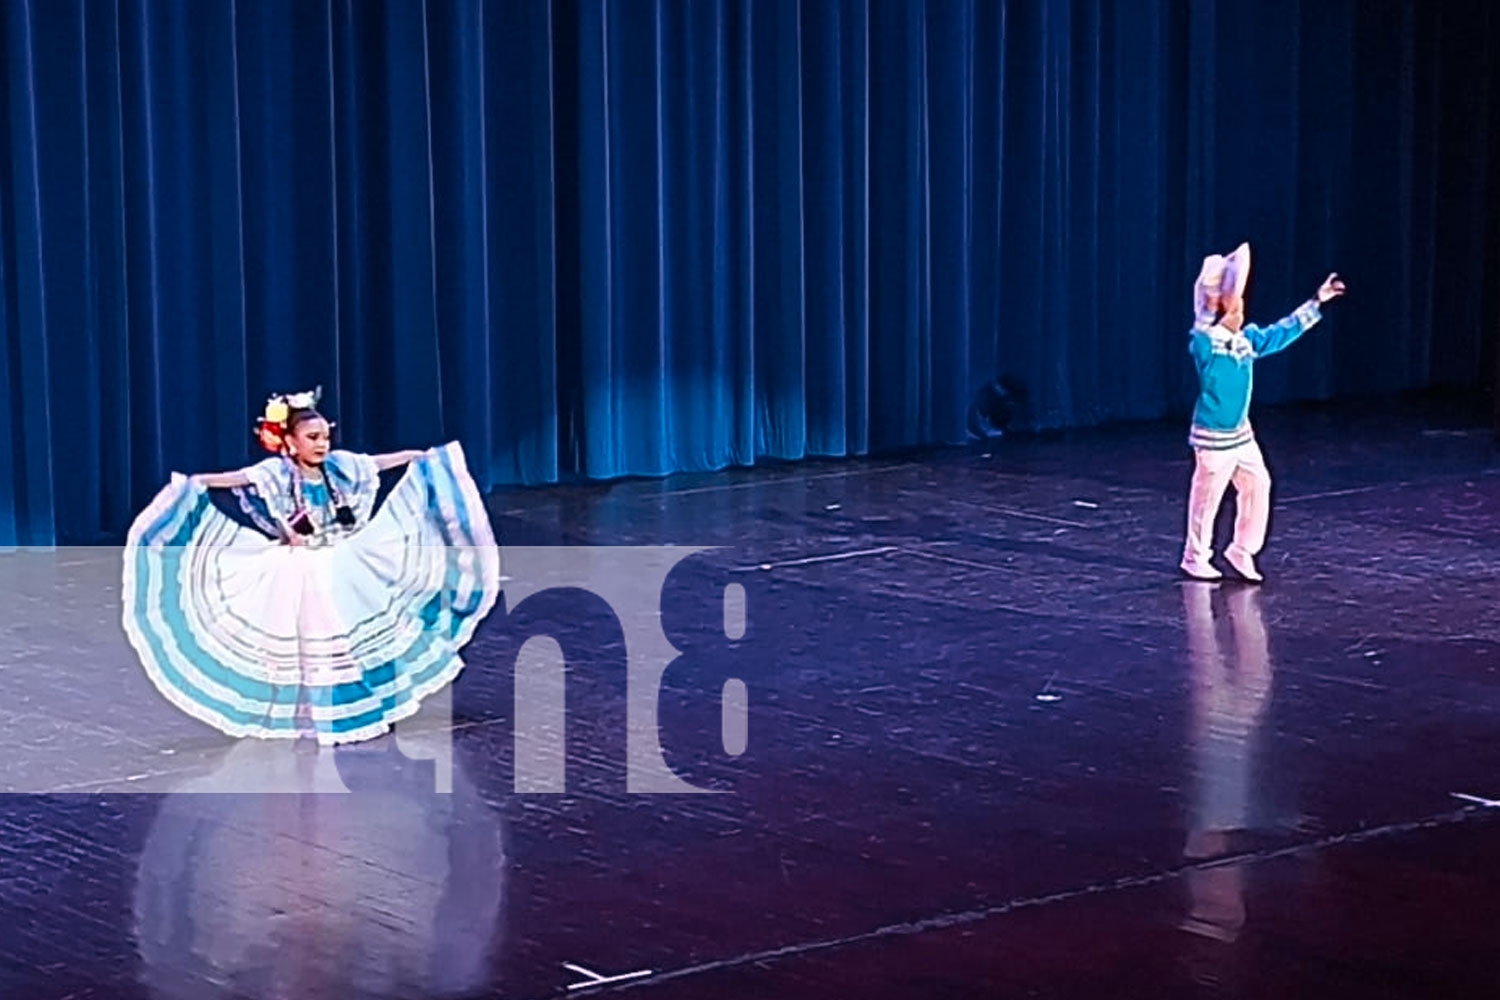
[221, 480]
[395, 458]
[1278, 336]
[1270, 339]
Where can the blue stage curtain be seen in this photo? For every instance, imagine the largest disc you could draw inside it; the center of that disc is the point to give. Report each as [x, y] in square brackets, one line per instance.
[595, 239]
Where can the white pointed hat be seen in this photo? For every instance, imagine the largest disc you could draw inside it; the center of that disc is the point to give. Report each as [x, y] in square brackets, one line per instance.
[1224, 276]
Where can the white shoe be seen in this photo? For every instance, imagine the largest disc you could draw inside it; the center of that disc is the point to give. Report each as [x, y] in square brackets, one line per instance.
[1200, 570]
[1243, 563]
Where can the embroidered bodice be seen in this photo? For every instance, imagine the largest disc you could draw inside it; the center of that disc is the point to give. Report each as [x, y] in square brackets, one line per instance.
[279, 493]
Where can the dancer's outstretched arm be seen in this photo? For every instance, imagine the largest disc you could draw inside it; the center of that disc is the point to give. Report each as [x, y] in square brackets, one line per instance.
[238, 480]
[395, 458]
[221, 480]
[1270, 339]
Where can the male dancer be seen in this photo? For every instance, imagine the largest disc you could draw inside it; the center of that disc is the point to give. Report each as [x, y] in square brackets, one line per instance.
[1224, 349]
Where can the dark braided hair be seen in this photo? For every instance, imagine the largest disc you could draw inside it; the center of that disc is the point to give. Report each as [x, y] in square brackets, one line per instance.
[343, 513]
[302, 416]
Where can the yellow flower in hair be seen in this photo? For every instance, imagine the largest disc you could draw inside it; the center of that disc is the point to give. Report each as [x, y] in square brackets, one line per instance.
[276, 411]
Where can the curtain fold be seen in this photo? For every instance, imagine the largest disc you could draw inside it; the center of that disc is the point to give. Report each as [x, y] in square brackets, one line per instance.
[597, 238]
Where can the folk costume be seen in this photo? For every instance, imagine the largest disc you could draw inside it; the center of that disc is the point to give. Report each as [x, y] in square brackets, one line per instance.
[1222, 439]
[335, 638]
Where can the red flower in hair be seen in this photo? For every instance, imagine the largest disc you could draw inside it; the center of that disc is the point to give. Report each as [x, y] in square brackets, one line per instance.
[271, 437]
[271, 427]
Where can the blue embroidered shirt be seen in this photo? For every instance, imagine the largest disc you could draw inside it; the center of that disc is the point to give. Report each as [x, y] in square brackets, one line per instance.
[1226, 370]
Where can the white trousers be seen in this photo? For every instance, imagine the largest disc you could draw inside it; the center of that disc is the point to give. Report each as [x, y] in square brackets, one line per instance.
[1246, 468]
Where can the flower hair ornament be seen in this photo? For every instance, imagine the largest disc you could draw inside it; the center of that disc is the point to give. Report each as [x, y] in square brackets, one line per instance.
[270, 428]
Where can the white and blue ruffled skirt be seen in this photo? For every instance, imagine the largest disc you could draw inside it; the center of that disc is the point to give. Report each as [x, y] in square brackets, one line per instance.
[261, 639]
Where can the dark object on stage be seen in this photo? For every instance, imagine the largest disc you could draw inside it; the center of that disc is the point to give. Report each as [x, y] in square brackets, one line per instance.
[995, 406]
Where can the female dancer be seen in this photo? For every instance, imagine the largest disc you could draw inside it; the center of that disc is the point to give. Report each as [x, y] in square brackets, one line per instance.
[332, 620]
